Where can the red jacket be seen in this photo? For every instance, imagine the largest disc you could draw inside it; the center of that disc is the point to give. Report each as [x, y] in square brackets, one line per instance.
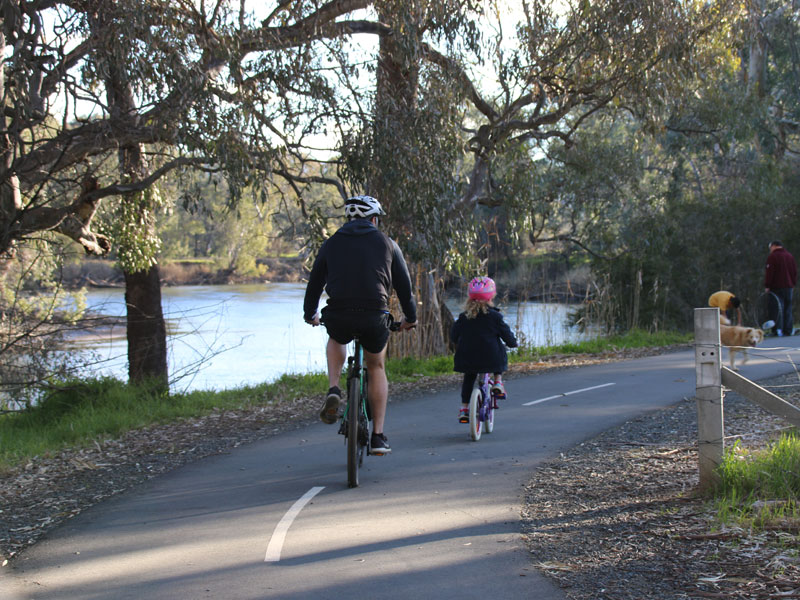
[781, 270]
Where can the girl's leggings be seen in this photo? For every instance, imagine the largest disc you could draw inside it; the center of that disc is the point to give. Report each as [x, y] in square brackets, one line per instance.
[467, 384]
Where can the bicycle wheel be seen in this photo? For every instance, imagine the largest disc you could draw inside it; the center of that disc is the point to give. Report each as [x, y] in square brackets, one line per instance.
[768, 308]
[353, 411]
[475, 414]
[364, 420]
[488, 423]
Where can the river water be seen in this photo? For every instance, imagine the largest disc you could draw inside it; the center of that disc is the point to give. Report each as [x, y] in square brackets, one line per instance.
[221, 337]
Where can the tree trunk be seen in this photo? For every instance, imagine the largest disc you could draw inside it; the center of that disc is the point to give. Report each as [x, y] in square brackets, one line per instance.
[756, 68]
[762, 26]
[147, 332]
[432, 335]
[397, 84]
[147, 335]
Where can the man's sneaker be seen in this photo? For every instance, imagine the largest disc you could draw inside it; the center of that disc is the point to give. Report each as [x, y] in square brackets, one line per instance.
[379, 445]
[498, 391]
[330, 410]
[463, 415]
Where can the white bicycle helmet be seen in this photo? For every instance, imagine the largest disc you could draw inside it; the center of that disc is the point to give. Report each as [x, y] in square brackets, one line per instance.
[362, 207]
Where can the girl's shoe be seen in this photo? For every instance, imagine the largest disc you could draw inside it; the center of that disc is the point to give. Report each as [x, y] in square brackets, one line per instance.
[498, 391]
[463, 415]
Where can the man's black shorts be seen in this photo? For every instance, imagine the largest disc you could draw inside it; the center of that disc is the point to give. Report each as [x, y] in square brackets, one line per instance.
[371, 327]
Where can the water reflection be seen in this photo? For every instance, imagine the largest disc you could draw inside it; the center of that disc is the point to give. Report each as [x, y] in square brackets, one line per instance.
[221, 337]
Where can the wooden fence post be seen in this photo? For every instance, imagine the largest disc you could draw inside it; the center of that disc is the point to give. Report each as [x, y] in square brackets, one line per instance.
[708, 365]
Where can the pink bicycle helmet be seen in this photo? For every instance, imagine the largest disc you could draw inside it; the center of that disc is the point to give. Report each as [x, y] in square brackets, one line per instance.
[482, 288]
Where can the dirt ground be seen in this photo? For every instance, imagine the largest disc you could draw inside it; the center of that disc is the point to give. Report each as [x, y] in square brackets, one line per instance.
[618, 517]
[615, 518]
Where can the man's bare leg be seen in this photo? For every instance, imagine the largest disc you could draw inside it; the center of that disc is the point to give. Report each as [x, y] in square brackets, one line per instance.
[336, 354]
[378, 388]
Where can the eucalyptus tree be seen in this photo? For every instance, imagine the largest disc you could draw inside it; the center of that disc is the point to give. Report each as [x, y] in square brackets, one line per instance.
[106, 98]
[103, 98]
[721, 165]
[546, 71]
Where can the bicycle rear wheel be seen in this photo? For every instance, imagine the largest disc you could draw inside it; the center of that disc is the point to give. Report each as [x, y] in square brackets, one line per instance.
[475, 414]
[768, 308]
[488, 423]
[353, 409]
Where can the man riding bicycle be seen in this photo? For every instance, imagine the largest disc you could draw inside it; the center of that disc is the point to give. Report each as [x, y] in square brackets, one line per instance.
[358, 266]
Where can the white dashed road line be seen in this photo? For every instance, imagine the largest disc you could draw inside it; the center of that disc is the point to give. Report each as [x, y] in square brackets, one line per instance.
[595, 387]
[282, 528]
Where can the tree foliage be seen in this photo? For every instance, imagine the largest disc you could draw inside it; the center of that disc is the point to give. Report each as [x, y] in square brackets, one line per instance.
[482, 130]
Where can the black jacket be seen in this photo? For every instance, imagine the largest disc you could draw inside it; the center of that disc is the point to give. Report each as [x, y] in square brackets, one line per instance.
[358, 266]
[479, 342]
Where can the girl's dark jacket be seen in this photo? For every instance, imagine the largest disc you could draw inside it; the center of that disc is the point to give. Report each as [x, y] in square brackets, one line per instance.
[479, 343]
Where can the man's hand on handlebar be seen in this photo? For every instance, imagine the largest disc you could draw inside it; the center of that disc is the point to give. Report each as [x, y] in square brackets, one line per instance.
[405, 325]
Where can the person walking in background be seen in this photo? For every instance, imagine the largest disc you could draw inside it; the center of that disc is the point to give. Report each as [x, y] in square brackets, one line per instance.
[780, 278]
[479, 333]
[727, 304]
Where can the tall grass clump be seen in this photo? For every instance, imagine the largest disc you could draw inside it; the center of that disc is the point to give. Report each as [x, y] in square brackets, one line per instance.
[758, 487]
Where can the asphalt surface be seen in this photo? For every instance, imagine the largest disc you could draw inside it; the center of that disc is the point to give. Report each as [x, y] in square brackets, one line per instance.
[439, 517]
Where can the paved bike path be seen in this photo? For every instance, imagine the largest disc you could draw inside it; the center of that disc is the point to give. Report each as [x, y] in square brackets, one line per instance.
[439, 516]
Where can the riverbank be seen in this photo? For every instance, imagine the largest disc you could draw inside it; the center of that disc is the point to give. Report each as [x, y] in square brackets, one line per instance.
[100, 273]
[549, 283]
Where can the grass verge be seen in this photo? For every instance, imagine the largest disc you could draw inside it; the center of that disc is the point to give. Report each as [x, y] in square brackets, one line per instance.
[636, 338]
[762, 488]
[79, 412]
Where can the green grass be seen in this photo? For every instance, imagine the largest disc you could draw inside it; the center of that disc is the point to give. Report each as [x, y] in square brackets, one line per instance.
[83, 411]
[409, 369]
[635, 338]
[758, 488]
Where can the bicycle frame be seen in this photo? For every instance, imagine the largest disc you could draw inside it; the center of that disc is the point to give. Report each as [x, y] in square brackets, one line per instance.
[481, 407]
[355, 418]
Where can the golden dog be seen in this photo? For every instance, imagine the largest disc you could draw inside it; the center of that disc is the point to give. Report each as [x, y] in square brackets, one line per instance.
[739, 339]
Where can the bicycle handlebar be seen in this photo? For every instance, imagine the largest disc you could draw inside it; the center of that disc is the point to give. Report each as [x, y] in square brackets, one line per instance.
[394, 324]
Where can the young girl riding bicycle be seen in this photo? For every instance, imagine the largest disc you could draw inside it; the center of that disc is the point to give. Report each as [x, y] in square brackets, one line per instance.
[479, 335]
